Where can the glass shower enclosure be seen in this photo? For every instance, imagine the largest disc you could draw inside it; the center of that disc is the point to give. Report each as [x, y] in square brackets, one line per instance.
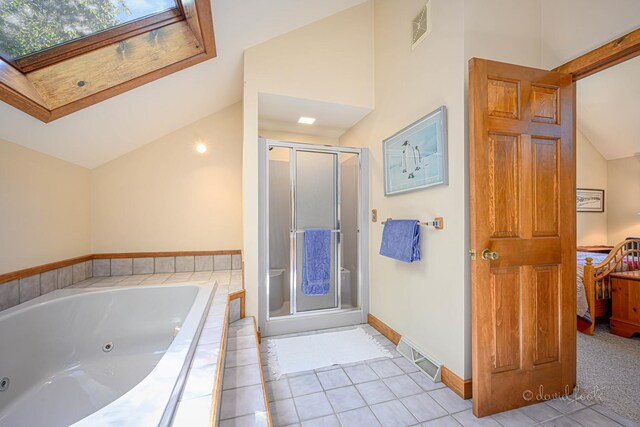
[311, 187]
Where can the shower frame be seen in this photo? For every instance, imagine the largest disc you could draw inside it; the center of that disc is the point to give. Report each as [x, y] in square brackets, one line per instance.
[298, 321]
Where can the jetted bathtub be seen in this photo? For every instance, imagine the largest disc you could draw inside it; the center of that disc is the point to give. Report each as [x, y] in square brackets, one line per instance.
[104, 357]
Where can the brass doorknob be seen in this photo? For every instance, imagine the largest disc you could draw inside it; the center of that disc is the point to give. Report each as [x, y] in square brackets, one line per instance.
[489, 255]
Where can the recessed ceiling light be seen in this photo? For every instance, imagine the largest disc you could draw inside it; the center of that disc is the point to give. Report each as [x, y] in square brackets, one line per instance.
[306, 120]
[201, 148]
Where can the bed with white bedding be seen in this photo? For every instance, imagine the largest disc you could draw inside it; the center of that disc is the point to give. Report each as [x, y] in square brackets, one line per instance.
[593, 284]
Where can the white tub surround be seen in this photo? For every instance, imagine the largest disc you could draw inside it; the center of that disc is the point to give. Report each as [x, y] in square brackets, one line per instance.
[111, 356]
[21, 286]
[202, 399]
[244, 401]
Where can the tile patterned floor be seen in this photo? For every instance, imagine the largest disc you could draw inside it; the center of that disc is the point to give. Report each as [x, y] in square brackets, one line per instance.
[393, 393]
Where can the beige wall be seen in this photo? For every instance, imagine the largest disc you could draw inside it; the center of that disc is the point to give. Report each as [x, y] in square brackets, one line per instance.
[504, 30]
[161, 197]
[623, 199]
[165, 196]
[424, 301]
[429, 302]
[330, 60]
[621, 181]
[591, 171]
[44, 208]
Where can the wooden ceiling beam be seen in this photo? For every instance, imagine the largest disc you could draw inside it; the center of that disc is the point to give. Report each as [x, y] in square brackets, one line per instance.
[608, 55]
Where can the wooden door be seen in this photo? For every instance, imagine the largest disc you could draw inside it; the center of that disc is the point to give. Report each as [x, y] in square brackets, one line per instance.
[523, 209]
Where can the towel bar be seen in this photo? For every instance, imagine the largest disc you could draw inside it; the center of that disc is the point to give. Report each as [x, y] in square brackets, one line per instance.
[437, 223]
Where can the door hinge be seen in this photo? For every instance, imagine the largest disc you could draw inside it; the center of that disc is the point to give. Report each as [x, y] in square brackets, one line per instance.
[472, 252]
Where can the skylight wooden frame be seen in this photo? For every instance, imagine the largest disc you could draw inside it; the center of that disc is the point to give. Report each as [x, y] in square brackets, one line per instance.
[91, 42]
[98, 68]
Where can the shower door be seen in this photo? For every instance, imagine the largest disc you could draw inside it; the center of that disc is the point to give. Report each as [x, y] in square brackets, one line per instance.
[315, 200]
[310, 187]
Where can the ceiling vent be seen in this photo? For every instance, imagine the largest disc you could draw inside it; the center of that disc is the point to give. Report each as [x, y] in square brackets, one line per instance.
[421, 25]
[431, 367]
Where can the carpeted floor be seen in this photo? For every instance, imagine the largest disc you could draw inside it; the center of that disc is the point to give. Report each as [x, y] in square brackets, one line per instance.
[609, 370]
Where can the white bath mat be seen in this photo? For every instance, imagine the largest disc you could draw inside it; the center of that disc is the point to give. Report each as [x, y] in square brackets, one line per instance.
[304, 353]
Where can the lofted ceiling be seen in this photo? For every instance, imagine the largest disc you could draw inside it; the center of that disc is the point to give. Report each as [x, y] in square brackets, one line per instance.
[107, 130]
[608, 104]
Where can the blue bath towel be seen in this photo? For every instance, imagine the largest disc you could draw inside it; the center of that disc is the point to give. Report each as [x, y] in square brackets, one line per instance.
[401, 240]
[316, 264]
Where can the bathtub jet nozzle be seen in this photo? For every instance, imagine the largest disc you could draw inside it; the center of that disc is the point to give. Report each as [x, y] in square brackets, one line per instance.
[4, 384]
[107, 347]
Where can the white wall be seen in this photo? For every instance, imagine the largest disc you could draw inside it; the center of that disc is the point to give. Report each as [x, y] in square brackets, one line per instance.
[330, 60]
[591, 171]
[504, 30]
[623, 199]
[424, 301]
[44, 208]
[165, 196]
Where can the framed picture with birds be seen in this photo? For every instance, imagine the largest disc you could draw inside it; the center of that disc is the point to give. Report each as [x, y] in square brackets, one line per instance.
[416, 157]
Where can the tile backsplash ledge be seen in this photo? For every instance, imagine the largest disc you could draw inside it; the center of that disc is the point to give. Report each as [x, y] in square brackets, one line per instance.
[24, 289]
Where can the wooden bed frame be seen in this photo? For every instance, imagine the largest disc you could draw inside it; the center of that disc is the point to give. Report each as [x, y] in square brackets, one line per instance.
[597, 282]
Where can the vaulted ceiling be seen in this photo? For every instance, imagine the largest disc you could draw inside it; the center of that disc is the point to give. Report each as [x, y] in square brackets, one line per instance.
[607, 102]
[608, 106]
[93, 136]
[107, 130]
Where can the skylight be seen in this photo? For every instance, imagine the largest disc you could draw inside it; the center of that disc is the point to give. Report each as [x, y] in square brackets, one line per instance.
[31, 26]
[60, 56]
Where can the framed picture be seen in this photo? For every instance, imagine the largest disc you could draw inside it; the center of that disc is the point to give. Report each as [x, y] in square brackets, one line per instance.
[416, 157]
[589, 200]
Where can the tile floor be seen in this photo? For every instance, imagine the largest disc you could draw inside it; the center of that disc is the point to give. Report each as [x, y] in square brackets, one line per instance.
[393, 393]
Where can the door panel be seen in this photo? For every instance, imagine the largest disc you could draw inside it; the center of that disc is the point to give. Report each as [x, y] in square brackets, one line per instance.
[504, 98]
[546, 282]
[544, 104]
[504, 173]
[522, 185]
[506, 301]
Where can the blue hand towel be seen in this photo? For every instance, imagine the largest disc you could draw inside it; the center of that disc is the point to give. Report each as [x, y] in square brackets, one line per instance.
[401, 240]
[316, 265]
